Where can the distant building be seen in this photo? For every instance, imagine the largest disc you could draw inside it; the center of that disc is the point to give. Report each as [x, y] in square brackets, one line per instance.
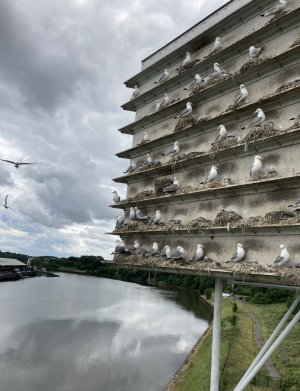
[10, 265]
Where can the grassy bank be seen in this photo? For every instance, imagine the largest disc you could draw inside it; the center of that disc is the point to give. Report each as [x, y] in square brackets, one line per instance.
[238, 349]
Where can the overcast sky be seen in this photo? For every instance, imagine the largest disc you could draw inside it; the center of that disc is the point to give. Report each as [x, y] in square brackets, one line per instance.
[62, 68]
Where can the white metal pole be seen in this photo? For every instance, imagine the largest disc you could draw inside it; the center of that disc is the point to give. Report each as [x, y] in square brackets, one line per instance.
[269, 353]
[272, 337]
[216, 339]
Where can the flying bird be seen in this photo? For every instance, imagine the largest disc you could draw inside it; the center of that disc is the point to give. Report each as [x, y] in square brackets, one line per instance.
[283, 258]
[116, 197]
[140, 215]
[222, 135]
[16, 164]
[164, 77]
[120, 221]
[276, 9]
[212, 175]
[216, 46]
[157, 219]
[241, 98]
[255, 52]
[179, 253]
[5, 204]
[256, 167]
[136, 92]
[132, 248]
[132, 215]
[195, 82]
[199, 253]
[131, 167]
[171, 188]
[174, 151]
[257, 120]
[165, 102]
[187, 112]
[238, 255]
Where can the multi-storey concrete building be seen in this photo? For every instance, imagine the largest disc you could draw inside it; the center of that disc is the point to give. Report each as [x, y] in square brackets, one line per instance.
[252, 202]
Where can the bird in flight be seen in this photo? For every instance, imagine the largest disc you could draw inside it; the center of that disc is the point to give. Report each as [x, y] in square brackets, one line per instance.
[5, 204]
[16, 164]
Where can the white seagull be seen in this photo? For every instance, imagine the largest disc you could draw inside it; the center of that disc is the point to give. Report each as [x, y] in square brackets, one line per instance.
[16, 164]
[171, 188]
[256, 167]
[149, 159]
[238, 255]
[212, 175]
[242, 96]
[132, 248]
[140, 215]
[258, 120]
[145, 138]
[131, 167]
[255, 52]
[155, 250]
[164, 77]
[157, 219]
[187, 112]
[196, 81]
[136, 92]
[165, 102]
[283, 258]
[187, 59]
[213, 74]
[179, 253]
[132, 215]
[120, 247]
[116, 197]
[216, 46]
[276, 9]
[174, 151]
[222, 135]
[167, 252]
[199, 253]
[120, 221]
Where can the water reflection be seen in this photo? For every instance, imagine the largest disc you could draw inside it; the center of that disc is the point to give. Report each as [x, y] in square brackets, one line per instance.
[93, 334]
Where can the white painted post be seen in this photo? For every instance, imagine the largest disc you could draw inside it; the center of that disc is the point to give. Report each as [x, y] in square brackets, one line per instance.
[271, 338]
[269, 353]
[216, 340]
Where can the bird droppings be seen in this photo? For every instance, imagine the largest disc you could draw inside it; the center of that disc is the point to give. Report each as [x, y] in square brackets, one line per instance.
[185, 123]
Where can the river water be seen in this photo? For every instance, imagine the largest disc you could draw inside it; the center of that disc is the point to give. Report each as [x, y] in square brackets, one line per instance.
[79, 333]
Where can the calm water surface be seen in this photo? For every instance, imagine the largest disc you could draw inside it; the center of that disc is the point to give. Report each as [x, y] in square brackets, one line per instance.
[78, 333]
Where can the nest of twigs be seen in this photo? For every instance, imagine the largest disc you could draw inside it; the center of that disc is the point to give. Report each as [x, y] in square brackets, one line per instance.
[287, 86]
[226, 216]
[160, 184]
[263, 176]
[290, 274]
[173, 101]
[188, 66]
[251, 64]
[245, 267]
[279, 216]
[148, 166]
[185, 123]
[260, 132]
[278, 16]
[222, 182]
[198, 223]
[207, 265]
[188, 156]
[220, 145]
[141, 196]
[296, 43]
[186, 189]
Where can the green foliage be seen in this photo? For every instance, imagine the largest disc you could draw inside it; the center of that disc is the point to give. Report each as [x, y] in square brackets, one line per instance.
[208, 293]
[234, 308]
[269, 296]
[290, 383]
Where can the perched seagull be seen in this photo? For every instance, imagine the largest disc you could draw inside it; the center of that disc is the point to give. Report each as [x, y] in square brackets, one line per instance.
[212, 175]
[256, 166]
[165, 102]
[199, 253]
[116, 197]
[276, 9]
[179, 253]
[132, 215]
[16, 164]
[187, 112]
[196, 81]
[238, 255]
[131, 167]
[171, 188]
[140, 215]
[222, 135]
[136, 92]
[155, 250]
[255, 52]
[167, 252]
[120, 247]
[164, 77]
[132, 248]
[283, 258]
[145, 138]
[5, 204]
[174, 151]
[120, 221]
[216, 46]
[157, 219]
[149, 159]
[185, 61]
[213, 74]
[242, 96]
[258, 120]
[157, 104]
